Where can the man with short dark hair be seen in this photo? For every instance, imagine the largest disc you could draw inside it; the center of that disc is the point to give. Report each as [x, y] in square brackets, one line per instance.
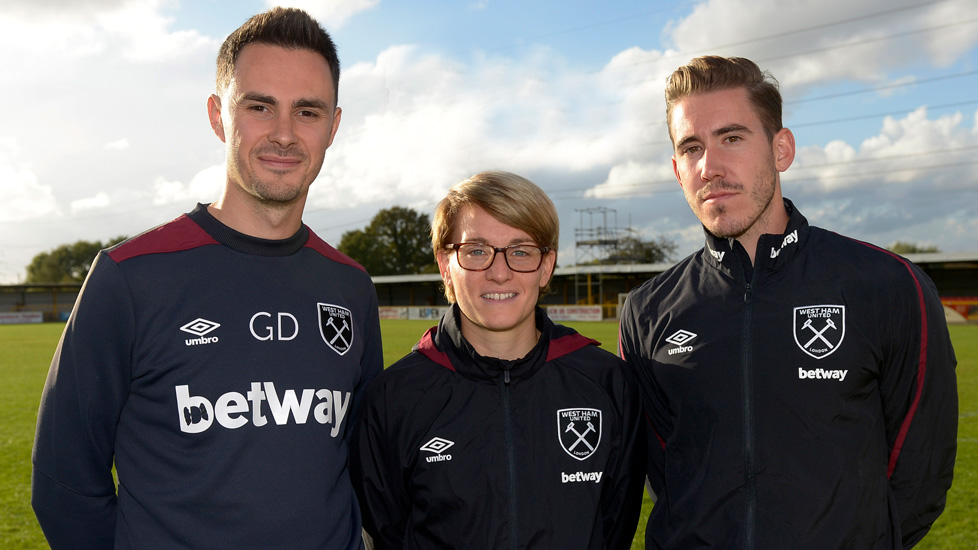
[799, 385]
[218, 360]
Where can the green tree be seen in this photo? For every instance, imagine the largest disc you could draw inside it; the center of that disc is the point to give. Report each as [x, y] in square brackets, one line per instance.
[397, 242]
[901, 247]
[632, 250]
[68, 263]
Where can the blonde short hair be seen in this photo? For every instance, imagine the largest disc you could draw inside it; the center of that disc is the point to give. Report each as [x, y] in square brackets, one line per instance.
[507, 197]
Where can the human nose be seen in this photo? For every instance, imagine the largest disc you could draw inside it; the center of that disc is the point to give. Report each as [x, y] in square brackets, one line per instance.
[283, 131]
[711, 165]
[498, 268]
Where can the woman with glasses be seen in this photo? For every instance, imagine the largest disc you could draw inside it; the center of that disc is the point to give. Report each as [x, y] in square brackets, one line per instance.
[500, 429]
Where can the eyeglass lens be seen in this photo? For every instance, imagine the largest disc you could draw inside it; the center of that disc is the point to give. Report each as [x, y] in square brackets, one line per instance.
[521, 258]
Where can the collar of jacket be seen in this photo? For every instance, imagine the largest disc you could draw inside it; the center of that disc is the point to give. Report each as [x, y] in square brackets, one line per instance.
[247, 244]
[446, 346]
[773, 251]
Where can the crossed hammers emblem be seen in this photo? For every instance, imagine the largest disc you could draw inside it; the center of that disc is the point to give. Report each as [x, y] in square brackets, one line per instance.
[819, 333]
[580, 436]
[339, 332]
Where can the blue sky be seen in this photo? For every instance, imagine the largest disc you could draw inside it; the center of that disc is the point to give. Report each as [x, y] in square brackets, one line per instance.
[104, 130]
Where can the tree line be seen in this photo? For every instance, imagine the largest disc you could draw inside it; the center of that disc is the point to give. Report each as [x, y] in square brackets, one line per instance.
[397, 241]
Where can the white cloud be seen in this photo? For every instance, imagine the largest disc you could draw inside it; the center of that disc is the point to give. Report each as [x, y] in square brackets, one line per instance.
[332, 14]
[132, 30]
[915, 177]
[437, 120]
[118, 145]
[205, 187]
[140, 33]
[23, 197]
[838, 39]
[911, 150]
[113, 111]
[634, 179]
[101, 200]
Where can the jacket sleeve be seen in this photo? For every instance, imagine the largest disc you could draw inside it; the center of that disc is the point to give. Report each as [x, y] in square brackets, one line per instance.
[918, 389]
[635, 348]
[72, 490]
[375, 470]
[621, 506]
[372, 361]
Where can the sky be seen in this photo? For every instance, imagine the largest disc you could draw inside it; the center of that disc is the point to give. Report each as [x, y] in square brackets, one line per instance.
[104, 129]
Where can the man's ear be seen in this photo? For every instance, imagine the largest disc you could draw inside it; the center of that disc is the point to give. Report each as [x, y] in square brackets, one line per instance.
[675, 170]
[214, 114]
[784, 149]
[337, 115]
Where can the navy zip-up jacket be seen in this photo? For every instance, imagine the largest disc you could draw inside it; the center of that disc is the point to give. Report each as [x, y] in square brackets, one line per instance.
[220, 374]
[807, 401]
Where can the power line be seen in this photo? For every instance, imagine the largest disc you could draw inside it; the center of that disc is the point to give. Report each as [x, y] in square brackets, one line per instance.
[670, 185]
[882, 87]
[873, 40]
[793, 32]
[878, 115]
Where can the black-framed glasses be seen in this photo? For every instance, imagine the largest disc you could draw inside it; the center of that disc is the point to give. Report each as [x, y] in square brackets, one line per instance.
[521, 258]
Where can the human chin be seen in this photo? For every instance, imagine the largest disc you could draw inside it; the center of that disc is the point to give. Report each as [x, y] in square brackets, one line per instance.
[504, 310]
[276, 191]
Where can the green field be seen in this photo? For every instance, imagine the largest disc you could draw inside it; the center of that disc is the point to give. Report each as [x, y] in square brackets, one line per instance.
[27, 349]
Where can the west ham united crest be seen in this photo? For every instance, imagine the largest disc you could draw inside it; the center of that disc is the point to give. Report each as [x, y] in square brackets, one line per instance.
[819, 330]
[579, 431]
[336, 326]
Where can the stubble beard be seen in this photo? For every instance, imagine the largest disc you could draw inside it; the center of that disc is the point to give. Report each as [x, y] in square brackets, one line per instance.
[728, 225]
[268, 191]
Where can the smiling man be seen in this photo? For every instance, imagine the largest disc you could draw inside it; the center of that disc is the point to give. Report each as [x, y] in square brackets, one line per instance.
[218, 361]
[799, 386]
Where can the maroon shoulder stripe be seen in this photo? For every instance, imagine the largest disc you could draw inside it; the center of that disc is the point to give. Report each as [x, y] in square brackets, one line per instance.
[567, 344]
[325, 249]
[427, 347]
[180, 234]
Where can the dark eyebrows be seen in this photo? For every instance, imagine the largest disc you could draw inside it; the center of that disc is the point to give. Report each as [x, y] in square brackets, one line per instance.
[301, 103]
[259, 98]
[685, 141]
[310, 104]
[732, 128]
[728, 129]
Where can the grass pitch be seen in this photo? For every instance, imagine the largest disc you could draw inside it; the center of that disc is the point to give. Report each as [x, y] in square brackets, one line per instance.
[26, 350]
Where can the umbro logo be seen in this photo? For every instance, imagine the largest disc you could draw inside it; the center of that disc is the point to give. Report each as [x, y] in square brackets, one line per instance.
[200, 327]
[679, 339]
[437, 445]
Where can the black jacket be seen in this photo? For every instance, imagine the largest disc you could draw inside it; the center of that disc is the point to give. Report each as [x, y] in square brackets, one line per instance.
[807, 401]
[455, 450]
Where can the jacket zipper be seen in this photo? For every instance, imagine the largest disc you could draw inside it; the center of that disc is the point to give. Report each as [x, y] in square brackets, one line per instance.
[510, 460]
[748, 412]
